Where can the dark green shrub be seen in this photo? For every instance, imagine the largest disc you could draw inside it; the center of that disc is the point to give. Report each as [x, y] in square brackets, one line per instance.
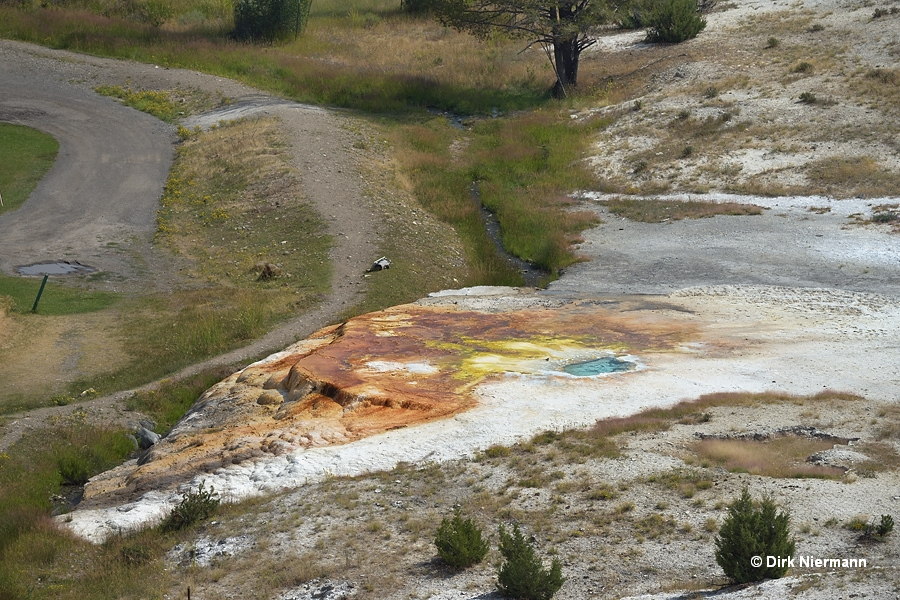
[269, 20]
[772, 42]
[885, 217]
[522, 576]
[750, 534]
[416, 7]
[808, 98]
[459, 542]
[873, 531]
[885, 526]
[636, 14]
[194, 507]
[675, 21]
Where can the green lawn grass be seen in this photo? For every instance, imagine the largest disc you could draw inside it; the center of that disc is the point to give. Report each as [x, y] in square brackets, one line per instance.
[57, 299]
[26, 155]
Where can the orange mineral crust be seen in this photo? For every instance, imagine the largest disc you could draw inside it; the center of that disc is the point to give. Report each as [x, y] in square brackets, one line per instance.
[395, 368]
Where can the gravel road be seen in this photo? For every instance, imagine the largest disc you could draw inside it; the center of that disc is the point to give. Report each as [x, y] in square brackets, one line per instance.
[101, 193]
[97, 205]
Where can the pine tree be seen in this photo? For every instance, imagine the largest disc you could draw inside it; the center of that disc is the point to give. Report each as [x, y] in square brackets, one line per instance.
[522, 576]
[749, 532]
[459, 541]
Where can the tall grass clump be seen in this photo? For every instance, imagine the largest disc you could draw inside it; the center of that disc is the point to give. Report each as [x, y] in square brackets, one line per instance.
[39, 559]
[852, 175]
[35, 468]
[658, 211]
[156, 103]
[81, 452]
[782, 457]
[674, 21]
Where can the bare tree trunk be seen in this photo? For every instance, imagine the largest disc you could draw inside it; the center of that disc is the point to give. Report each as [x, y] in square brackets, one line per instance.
[565, 57]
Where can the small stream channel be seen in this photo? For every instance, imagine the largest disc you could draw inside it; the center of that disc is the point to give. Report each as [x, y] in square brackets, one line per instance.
[532, 274]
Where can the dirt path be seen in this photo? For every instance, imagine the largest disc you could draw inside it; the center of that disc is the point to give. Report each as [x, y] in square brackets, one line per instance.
[322, 154]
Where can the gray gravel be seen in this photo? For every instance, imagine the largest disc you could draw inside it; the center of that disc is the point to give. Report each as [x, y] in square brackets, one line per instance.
[102, 193]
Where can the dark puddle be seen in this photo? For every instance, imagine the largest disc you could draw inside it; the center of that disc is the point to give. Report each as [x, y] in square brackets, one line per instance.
[530, 273]
[599, 366]
[68, 498]
[55, 268]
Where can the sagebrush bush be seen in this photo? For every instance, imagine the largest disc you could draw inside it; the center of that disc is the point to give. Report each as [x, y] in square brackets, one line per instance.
[749, 532]
[522, 576]
[675, 21]
[194, 507]
[459, 542]
[269, 20]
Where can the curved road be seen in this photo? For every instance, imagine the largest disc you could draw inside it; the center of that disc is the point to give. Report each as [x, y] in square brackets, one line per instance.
[97, 204]
[102, 192]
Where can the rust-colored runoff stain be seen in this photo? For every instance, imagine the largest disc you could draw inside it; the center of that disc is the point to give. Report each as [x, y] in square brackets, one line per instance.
[394, 368]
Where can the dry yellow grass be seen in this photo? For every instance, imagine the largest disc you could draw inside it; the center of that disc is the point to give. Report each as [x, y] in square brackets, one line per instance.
[657, 211]
[780, 457]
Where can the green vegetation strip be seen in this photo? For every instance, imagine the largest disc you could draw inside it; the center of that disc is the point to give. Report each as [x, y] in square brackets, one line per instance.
[57, 299]
[520, 168]
[293, 70]
[156, 103]
[26, 155]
